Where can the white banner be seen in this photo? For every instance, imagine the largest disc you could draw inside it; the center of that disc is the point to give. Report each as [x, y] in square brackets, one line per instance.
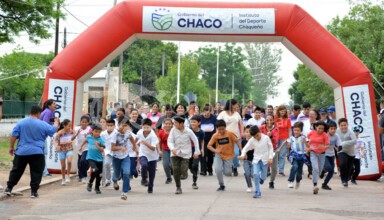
[209, 20]
[62, 91]
[358, 112]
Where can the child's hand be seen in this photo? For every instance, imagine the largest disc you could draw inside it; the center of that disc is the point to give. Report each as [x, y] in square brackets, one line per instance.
[80, 150]
[174, 152]
[195, 156]
[218, 150]
[97, 144]
[270, 161]
[241, 157]
[202, 153]
[160, 153]
[123, 148]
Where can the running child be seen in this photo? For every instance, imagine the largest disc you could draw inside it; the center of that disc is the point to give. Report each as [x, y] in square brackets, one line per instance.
[195, 122]
[121, 162]
[133, 156]
[179, 142]
[107, 136]
[257, 119]
[318, 145]
[262, 156]
[103, 123]
[96, 147]
[248, 167]
[165, 152]
[148, 141]
[63, 143]
[359, 153]
[224, 152]
[81, 133]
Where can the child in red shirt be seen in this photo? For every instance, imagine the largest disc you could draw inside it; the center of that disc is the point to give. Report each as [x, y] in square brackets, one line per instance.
[165, 152]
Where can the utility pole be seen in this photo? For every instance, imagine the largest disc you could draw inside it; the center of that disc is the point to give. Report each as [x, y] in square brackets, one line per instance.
[57, 30]
[65, 37]
[163, 64]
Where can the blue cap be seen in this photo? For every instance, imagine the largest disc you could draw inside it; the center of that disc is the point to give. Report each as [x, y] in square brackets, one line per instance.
[331, 109]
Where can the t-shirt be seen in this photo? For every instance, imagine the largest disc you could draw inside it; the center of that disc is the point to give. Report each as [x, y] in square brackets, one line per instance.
[63, 137]
[263, 149]
[93, 152]
[274, 135]
[334, 141]
[47, 115]
[297, 144]
[200, 136]
[316, 141]
[232, 122]
[208, 126]
[284, 125]
[108, 141]
[131, 152]
[293, 119]
[257, 122]
[348, 141]
[381, 122]
[32, 133]
[358, 146]
[163, 139]
[226, 142]
[80, 138]
[307, 125]
[121, 140]
[152, 140]
[250, 152]
[154, 118]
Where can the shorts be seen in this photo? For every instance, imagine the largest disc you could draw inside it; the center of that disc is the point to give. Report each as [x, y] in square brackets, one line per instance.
[64, 155]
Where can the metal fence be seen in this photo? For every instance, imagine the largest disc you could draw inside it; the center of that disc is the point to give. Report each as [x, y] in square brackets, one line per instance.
[17, 109]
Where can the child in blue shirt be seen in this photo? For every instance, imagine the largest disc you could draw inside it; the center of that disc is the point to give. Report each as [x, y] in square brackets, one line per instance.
[96, 147]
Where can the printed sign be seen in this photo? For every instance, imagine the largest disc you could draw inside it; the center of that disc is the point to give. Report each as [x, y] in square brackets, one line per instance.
[209, 20]
[358, 112]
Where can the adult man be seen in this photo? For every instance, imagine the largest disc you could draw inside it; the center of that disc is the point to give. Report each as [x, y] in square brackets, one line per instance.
[332, 113]
[294, 114]
[128, 108]
[218, 108]
[269, 110]
[31, 133]
[144, 110]
[115, 107]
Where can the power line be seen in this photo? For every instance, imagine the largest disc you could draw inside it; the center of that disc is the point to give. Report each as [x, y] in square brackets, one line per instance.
[75, 17]
[23, 74]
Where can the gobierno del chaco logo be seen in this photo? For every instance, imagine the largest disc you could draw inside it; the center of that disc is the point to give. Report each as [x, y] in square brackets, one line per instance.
[162, 19]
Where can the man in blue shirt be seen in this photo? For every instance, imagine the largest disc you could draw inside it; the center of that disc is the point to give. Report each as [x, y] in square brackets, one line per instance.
[31, 133]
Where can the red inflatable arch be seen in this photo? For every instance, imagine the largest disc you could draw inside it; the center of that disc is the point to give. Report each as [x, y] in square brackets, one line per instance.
[221, 22]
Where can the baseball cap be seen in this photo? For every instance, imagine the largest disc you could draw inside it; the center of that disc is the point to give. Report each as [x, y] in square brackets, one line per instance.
[323, 110]
[356, 128]
[331, 109]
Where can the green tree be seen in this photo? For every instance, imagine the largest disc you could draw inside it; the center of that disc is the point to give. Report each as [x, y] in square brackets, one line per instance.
[231, 67]
[35, 17]
[21, 75]
[264, 62]
[144, 58]
[362, 32]
[296, 96]
[189, 81]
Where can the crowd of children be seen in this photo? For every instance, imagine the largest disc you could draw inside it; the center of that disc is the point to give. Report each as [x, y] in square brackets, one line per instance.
[131, 144]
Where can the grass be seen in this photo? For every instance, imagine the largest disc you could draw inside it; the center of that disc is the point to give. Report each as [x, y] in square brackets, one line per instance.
[5, 158]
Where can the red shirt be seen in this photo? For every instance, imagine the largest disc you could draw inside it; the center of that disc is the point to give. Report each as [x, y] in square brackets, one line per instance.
[163, 139]
[284, 125]
[275, 134]
[316, 141]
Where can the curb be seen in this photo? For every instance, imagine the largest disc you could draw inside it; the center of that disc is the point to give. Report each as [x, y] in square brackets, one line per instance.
[19, 192]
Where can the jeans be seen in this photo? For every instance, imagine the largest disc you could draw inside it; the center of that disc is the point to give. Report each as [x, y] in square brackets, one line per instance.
[222, 167]
[282, 156]
[134, 166]
[346, 163]
[274, 167]
[194, 167]
[206, 162]
[259, 172]
[236, 162]
[180, 168]
[296, 171]
[83, 165]
[107, 168]
[167, 165]
[122, 167]
[355, 169]
[36, 164]
[97, 172]
[148, 169]
[317, 161]
[329, 167]
[248, 172]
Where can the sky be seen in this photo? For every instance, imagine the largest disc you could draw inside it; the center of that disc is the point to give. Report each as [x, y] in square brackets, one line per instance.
[83, 13]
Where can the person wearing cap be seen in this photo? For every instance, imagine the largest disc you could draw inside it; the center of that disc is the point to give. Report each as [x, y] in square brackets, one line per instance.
[179, 142]
[324, 114]
[359, 153]
[332, 113]
[294, 114]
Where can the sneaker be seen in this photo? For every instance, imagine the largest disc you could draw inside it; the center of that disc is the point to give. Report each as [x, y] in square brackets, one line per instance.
[297, 185]
[315, 190]
[150, 190]
[326, 187]
[249, 189]
[97, 190]
[210, 174]
[271, 185]
[261, 181]
[67, 179]
[203, 173]
[84, 180]
[194, 186]
[235, 173]
[8, 191]
[290, 184]
[257, 194]
[221, 188]
[309, 176]
[107, 184]
[144, 183]
[63, 182]
[281, 174]
[34, 194]
[89, 187]
[322, 175]
[178, 191]
[124, 196]
[345, 184]
[168, 181]
[184, 177]
[78, 179]
[354, 182]
[115, 186]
